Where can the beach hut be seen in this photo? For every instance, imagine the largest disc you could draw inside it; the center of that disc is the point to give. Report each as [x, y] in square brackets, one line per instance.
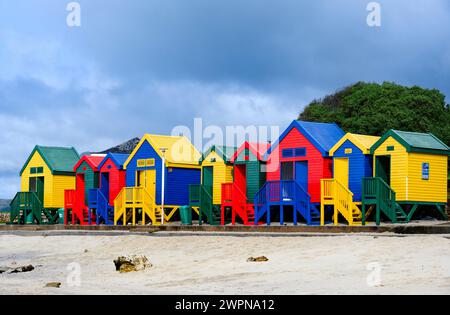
[111, 182]
[158, 174]
[352, 162]
[295, 165]
[410, 172]
[249, 175]
[46, 174]
[76, 209]
[217, 169]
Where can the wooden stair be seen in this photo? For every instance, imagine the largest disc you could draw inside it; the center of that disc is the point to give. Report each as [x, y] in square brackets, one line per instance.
[285, 193]
[233, 197]
[334, 193]
[377, 193]
[130, 201]
[25, 204]
[200, 196]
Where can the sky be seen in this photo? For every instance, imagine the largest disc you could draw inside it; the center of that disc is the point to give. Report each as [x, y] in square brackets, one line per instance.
[146, 66]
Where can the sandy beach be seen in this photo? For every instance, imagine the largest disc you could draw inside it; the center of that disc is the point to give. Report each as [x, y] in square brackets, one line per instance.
[217, 264]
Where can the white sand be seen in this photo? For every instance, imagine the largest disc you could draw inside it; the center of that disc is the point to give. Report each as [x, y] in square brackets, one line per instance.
[217, 264]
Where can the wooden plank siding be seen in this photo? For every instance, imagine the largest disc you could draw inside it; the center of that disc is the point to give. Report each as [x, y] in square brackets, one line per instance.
[435, 188]
[318, 166]
[360, 165]
[37, 161]
[399, 166]
[222, 174]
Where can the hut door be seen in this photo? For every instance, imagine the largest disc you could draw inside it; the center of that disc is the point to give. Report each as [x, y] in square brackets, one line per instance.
[36, 184]
[383, 168]
[81, 190]
[104, 184]
[287, 171]
[208, 178]
[147, 179]
[240, 177]
[301, 174]
[341, 170]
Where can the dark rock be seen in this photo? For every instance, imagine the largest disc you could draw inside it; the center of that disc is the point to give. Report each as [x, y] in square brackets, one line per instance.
[4, 269]
[22, 269]
[133, 263]
[258, 259]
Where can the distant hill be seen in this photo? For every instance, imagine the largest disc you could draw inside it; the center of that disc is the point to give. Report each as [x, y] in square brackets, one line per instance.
[4, 204]
[126, 147]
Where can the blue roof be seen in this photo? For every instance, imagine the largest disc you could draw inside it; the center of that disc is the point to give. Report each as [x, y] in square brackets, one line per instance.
[322, 135]
[118, 159]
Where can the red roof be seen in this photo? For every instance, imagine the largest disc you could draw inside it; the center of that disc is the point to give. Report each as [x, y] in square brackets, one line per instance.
[258, 149]
[92, 160]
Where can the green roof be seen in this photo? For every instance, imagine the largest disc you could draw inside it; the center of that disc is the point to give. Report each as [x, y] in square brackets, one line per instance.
[416, 142]
[225, 152]
[59, 160]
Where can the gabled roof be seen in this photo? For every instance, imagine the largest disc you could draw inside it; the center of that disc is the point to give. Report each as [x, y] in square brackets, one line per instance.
[58, 159]
[118, 159]
[322, 135]
[179, 151]
[363, 142]
[415, 142]
[226, 153]
[258, 149]
[92, 160]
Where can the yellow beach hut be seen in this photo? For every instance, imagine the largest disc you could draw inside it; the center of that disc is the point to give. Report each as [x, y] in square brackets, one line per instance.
[46, 174]
[217, 169]
[411, 171]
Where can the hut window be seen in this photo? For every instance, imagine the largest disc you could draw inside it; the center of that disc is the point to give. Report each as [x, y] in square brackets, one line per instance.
[213, 160]
[150, 162]
[349, 151]
[288, 153]
[300, 152]
[391, 148]
[425, 171]
[37, 170]
[140, 163]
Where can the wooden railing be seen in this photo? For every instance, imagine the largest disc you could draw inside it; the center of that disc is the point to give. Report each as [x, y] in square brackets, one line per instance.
[227, 193]
[26, 201]
[201, 196]
[133, 198]
[377, 191]
[98, 201]
[281, 192]
[194, 195]
[335, 193]
[69, 198]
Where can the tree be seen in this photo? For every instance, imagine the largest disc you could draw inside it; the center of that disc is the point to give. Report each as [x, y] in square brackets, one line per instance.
[371, 108]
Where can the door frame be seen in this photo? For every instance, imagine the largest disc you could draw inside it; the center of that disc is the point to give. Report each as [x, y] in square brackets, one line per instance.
[388, 156]
[347, 184]
[142, 177]
[105, 176]
[37, 179]
[282, 172]
[304, 162]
